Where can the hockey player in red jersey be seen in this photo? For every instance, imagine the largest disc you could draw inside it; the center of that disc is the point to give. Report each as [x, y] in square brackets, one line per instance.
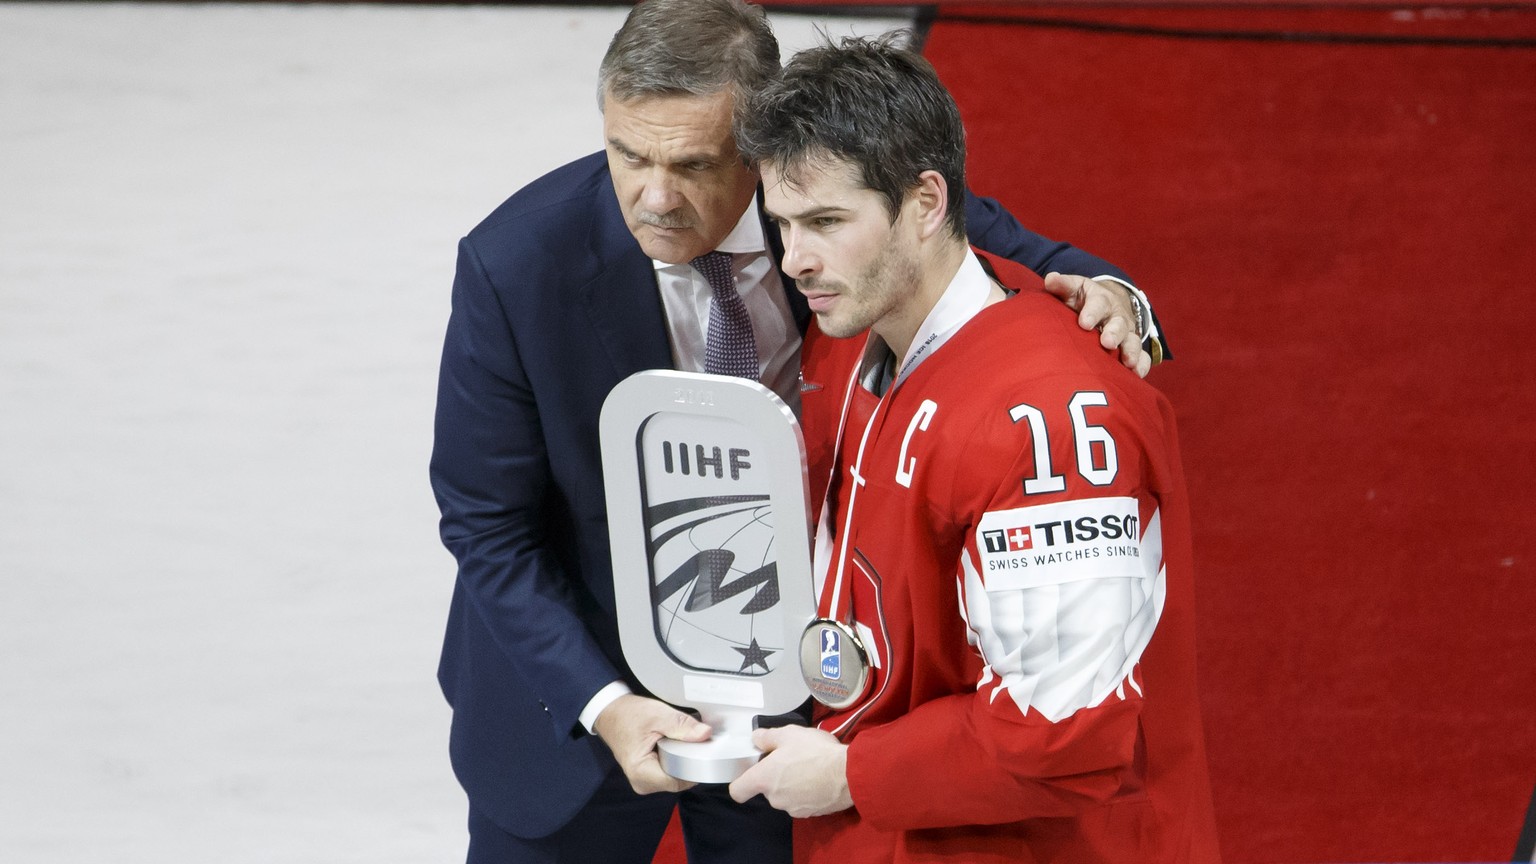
[1004, 651]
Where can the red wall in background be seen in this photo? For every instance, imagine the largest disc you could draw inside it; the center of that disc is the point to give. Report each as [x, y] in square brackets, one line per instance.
[1336, 228]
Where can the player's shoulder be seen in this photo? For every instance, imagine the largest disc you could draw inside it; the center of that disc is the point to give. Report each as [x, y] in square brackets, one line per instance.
[1030, 347]
[1031, 335]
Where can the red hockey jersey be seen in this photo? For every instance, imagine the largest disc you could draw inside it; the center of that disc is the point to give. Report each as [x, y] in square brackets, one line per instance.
[1011, 530]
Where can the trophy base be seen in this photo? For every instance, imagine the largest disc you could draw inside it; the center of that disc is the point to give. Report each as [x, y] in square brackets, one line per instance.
[718, 760]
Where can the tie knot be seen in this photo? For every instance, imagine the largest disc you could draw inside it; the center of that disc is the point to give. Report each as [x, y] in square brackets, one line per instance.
[716, 269]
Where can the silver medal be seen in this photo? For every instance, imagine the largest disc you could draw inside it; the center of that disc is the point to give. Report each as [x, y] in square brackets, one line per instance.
[833, 663]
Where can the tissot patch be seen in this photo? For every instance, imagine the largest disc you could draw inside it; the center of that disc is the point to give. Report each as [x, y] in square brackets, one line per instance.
[1067, 541]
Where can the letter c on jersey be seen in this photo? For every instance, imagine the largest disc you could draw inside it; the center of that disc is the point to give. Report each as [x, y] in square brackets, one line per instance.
[906, 468]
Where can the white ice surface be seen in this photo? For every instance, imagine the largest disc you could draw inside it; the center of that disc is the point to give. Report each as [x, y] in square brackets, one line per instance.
[226, 241]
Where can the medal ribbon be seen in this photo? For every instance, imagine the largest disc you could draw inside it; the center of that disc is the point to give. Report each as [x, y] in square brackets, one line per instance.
[835, 604]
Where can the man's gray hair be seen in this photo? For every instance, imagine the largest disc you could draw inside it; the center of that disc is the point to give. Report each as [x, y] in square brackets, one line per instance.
[689, 48]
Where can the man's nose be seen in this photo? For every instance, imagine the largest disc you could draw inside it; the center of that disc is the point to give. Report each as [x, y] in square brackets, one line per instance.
[660, 193]
[799, 261]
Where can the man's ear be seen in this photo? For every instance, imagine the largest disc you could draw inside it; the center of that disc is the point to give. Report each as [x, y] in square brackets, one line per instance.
[930, 203]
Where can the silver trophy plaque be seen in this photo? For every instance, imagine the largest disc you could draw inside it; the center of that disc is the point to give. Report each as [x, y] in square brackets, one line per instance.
[709, 523]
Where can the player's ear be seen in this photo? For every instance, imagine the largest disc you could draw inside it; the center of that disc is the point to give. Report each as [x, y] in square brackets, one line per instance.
[929, 201]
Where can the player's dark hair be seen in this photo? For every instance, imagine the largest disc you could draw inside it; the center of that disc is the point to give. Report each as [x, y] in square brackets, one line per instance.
[869, 102]
[689, 48]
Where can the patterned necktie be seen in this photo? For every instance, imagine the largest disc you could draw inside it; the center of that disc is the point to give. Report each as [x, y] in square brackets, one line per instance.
[729, 347]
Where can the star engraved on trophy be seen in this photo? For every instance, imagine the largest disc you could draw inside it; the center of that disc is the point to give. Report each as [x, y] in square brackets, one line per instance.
[754, 655]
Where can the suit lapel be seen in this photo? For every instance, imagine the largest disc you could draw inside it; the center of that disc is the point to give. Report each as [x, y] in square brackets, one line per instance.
[621, 298]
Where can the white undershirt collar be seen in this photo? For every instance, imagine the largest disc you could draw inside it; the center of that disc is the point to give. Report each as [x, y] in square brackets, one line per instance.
[965, 296]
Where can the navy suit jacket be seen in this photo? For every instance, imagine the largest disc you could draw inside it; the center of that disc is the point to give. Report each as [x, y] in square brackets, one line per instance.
[553, 304]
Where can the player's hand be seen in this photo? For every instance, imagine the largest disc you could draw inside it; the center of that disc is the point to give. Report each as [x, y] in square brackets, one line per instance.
[1105, 306]
[804, 772]
[632, 725]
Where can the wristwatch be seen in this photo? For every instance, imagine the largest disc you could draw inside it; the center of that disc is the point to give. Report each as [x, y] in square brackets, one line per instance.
[1140, 308]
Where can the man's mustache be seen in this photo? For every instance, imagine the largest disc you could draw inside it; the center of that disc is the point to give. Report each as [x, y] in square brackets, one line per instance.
[663, 220]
